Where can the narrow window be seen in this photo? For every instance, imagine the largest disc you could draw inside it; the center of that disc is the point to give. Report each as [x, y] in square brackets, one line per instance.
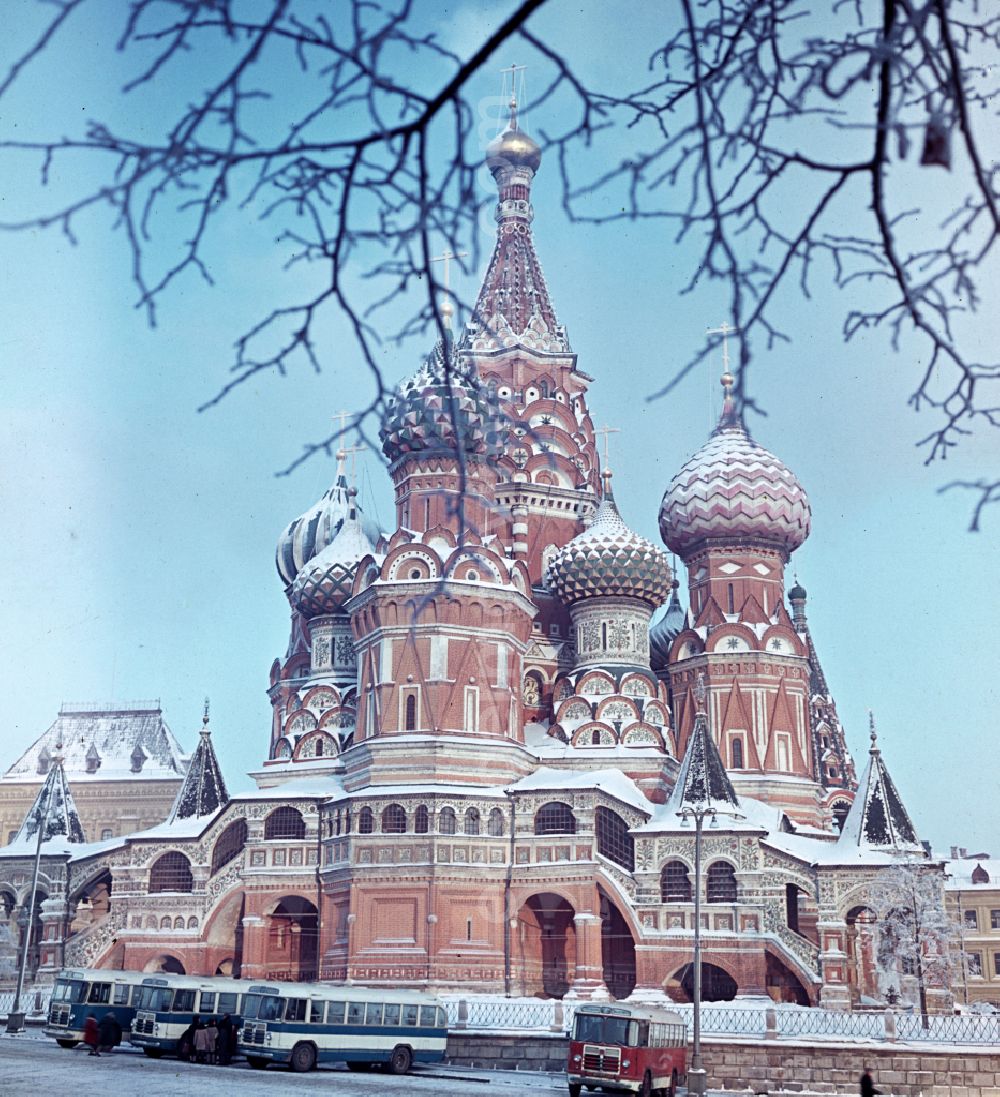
[366, 821]
[410, 720]
[421, 820]
[737, 754]
[731, 597]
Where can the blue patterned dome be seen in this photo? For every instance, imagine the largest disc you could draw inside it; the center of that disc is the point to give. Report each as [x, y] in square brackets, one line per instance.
[325, 582]
[442, 409]
[609, 560]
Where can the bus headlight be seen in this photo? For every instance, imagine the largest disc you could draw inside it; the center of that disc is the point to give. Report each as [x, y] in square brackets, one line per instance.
[267, 1037]
[626, 1063]
[576, 1058]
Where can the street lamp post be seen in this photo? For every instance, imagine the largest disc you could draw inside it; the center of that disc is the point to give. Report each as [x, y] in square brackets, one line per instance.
[697, 1078]
[15, 1019]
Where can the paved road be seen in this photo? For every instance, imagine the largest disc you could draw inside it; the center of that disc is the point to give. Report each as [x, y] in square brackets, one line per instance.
[31, 1066]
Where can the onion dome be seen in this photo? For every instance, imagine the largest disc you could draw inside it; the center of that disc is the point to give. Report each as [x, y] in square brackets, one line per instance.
[609, 560]
[324, 584]
[311, 532]
[513, 148]
[443, 407]
[797, 593]
[733, 488]
[665, 629]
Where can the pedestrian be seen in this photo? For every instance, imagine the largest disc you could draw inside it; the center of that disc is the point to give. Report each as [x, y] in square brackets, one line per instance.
[91, 1036]
[224, 1044]
[867, 1085]
[109, 1032]
[201, 1044]
[211, 1041]
[185, 1046]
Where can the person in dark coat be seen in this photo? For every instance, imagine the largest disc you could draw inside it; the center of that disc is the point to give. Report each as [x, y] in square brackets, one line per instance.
[185, 1046]
[91, 1036]
[109, 1032]
[225, 1044]
[867, 1085]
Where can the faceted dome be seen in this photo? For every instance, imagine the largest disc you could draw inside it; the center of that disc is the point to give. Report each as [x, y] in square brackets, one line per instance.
[733, 488]
[325, 582]
[609, 560]
[311, 532]
[665, 629]
[424, 415]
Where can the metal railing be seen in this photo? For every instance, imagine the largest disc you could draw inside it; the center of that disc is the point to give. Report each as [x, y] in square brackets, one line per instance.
[542, 1016]
[34, 1002]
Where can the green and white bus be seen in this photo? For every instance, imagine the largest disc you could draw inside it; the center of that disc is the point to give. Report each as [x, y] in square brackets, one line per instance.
[303, 1024]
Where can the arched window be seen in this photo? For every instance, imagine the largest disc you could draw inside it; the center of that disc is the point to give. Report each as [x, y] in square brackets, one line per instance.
[171, 872]
[366, 821]
[494, 826]
[720, 883]
[229, 844]
[675, 884]
[841, 809]
[421, 820]
[595, 737]
[472, 821]
[555, 817]
[737, 754]
[446, 821]
[613, 838]
[394, 819]
[285, 822]
[410, 719]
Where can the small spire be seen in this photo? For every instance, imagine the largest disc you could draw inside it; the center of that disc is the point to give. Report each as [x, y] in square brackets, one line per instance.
[872, 733]
[606, 492]
[204, 718]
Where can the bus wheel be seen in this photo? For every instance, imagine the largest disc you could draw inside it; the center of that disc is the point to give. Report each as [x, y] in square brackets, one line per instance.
[153, 1052]
[303, 1058]
[400, 1060]
[574, 1089]
[673, 1084]
[647, 1085]
[256, 1062]
[67, 1043]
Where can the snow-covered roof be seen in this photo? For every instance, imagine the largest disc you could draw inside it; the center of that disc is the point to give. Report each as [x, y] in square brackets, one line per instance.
[112, 732]
[53, 813]
[611, 781]
[877, 819]
[480, 792]
[204, 789]
[547, 747]
[965, 873]
[295, 788]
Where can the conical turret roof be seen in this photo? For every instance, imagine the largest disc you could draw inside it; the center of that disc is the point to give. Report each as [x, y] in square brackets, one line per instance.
[702, 782]
[53, 810]
[877, 819]
[204, 789]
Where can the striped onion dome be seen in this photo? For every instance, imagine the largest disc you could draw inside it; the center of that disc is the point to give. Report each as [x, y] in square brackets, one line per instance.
[733, 488]
[311, 532]
[609, 560]
[442, 408]
[325, 582]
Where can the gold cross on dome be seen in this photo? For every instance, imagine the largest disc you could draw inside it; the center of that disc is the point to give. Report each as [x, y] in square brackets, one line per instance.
[607, 432]
[725, 330]
[446, 257]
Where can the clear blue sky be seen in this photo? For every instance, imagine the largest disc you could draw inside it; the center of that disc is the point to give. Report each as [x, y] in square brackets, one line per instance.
[139, 535]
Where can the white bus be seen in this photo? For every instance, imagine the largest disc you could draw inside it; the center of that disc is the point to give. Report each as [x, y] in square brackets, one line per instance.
[303, 1024]
[80, 992]
[166, 1005]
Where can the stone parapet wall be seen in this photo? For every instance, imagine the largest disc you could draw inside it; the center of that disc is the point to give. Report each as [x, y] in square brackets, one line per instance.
[769, 1068]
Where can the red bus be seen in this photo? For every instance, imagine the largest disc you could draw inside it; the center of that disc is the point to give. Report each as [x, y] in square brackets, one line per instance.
[624, 1049]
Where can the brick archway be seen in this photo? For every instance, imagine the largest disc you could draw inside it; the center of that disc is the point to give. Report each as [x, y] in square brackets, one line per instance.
[543, 946]
[292, 940]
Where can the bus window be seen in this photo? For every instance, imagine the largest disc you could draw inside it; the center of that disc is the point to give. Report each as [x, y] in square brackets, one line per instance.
[316, 1012]
[442, 1017]
[335, 1013]
[183, 1001]
[605, 1030]
[70, 991]
[208, 1001]
[409, 1015]
[373, 1015]
[355, 1013]
[122, 994]
[227, 1003]
[391, 1016]
[99, 993]
[156, 999]
[428, 1016]
[269, 1008]
[639, 1034]
[295, 1009]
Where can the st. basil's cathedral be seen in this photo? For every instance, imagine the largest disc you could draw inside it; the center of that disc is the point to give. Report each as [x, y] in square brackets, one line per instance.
[491, 724]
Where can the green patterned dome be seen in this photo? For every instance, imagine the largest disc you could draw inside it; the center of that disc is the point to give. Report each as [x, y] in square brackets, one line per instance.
[609, 560]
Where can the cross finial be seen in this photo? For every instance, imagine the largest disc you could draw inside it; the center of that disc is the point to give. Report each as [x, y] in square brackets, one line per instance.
[725, 330]
[607, 432]
[447, 308]
[352, 452]
[513, 70]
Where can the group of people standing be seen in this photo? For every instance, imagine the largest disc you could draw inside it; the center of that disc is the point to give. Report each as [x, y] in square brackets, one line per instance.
[209, 1041]
[101, 1035]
